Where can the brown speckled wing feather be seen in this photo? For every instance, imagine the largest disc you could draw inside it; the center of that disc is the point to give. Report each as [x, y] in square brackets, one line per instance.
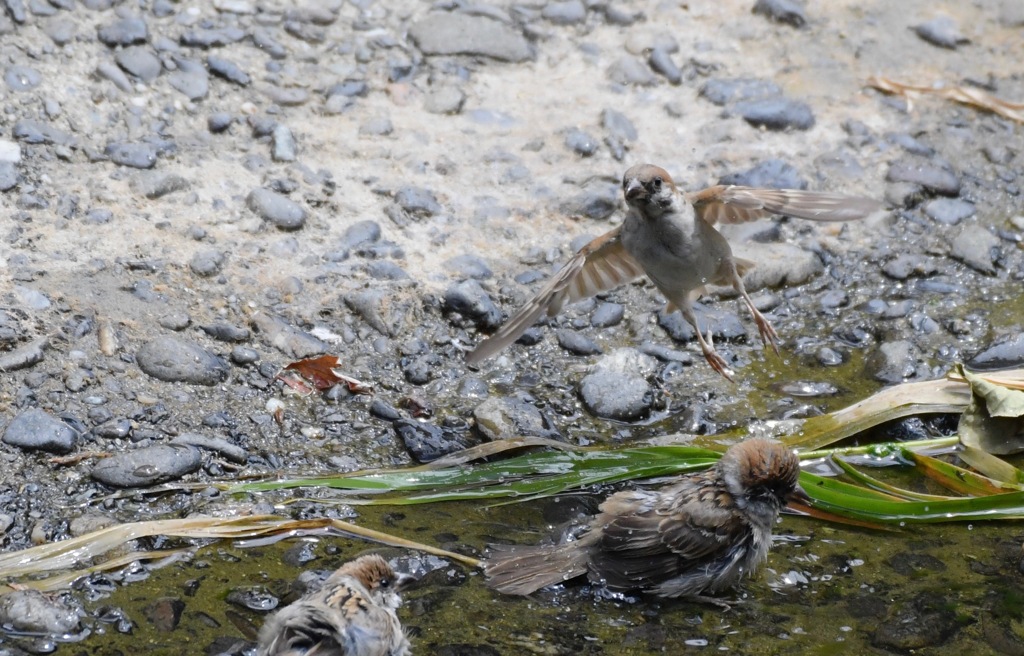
[601, 265]
[732, 204]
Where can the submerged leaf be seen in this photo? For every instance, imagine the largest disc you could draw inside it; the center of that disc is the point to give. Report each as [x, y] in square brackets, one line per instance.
[955, 478]
[994, 419]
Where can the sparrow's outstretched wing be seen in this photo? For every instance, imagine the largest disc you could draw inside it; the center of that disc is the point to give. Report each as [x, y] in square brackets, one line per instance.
[601, 265]
[732, 204]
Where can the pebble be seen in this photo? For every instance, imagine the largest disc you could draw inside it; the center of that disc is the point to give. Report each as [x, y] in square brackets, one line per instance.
[606, 315]
[462, 34]
[566, 12]
[8, 176]
[728, 91]
[37, 430]
[281, 211]
[111, 71]
[228, 70]
[661, 62]
[212, 38]
[469, 300]
[724, 325]
[576, 343]
[23, 357]
[284, 146]
[135, 155]
[190, 78]
[140, 62]
[219, 122]
[892, 362]
[218, 445]
[505, 417]
[616, 387]
[444, 99]
[226, 332]
[379, 126]
[906, 266]
[417, 202]
[580, 142]
[1004, 353]
[977, 248]
[426, 442]
[782, 11]
[468, 266]
[22, 78]
[378, 307]
[33, 612]
[286, 338]
[941, 31]
[60, 30]
[776, 114]
[148, 466]
[927, 621]
[124, 32]
[628, 70]
[36, 132]
[243, 355]
[771, 173]
[359, 234]
[949, 211]
[927, 174]
[386, 270]
[157, 185]
[172, 359]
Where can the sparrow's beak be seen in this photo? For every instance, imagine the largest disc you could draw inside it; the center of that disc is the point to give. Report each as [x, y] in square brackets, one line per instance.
[634, 189]
[800, 496]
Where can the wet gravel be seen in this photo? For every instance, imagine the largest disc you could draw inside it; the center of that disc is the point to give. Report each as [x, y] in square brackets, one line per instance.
[196, 195]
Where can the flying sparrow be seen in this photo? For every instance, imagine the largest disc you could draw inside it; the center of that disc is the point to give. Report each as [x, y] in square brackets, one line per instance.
[671, 238]
[353, 614]
[700, 535]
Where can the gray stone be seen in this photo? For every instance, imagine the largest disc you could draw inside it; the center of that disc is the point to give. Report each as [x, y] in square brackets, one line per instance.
[378, 126]
[148, 466]
[462, 34]
[772, 173]
[782, 11]
[565, 12]
[927, 174]
[288, 339]
[32, 131]
[445, 99]
[617, 388]
[1004, 353]
[190, 79]
[35, 613]
[279, 210]
[22, 78]
[728, 91]
[228, 70]
[37, 430]
[173, 360]
[580, 142]
[218, 445]
[892, 362]
[661, 62]
[212, 38]
[977, 248]
[135, 155]
[140, 62]
[777, 114]
[628, 70]
[8, 176]
[60, 30]
[284, 146]
[360, 234]
[207, 262]
[949, 211]
[417, 201]
[157, 185]
[576, 343]
[504, 417]
[379, 308]
[468, 266]
[606, 315]
[426, 442]
[108, 70]
[219, 122]
[124, 32]
[468, 299]
[941, 31]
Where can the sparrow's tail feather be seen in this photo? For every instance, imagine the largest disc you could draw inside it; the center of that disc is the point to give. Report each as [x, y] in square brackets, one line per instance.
[522, 570]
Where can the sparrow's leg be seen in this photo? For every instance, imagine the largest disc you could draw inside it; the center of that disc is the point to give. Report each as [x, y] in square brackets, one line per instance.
[716, 361]
[764, 328]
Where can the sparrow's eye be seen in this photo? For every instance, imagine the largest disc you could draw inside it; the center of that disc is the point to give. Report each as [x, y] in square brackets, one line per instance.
[385, 583]
[657, 183]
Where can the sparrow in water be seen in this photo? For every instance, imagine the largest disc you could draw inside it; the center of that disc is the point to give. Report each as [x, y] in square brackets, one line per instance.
[353, 614]
[697, 536]
[671, 238]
